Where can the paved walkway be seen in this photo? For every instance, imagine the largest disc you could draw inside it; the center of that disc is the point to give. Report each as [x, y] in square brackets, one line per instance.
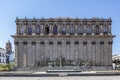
[63, 78]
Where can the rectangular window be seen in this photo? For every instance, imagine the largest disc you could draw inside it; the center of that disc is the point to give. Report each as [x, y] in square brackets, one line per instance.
[68, 42]
[110, 43]
[101, 43]
[84, 43]
[25, 43]
[80, 31]
[42, 43]
[59, 43]
[2, 54]
[50, 43]
[93, 43]
[76, 42]
[33, 43]
[72, 31]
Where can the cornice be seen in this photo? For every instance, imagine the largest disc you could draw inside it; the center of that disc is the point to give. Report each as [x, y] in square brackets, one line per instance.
[62, 36]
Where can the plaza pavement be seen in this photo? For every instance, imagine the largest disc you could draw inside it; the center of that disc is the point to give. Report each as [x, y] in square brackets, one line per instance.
[64, 78]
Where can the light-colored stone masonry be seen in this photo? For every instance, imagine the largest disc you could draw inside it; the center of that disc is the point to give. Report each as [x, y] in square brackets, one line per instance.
[93, 46]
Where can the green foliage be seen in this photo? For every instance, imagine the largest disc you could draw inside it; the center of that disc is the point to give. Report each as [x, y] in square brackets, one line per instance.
[6, 67]
[116, 61]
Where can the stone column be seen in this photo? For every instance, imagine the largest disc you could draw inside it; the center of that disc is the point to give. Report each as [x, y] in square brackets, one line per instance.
[26, 30]
[16, 54]
[76, 57]
[63, 50]
[98, 53]
[67, 29]
[93, 29]
[51, 52]
[20, 54]
[34, 28]
[102, 54]
[29, 54]
[18, 29]
[109, 29]
[38, 51]
[85, 51]
[106, 53]
[59, 30]
[89, 51]
[84, 29]
[101, 29]
[24, 55]
[51, 30]
[68, 51]
[110, 54]
[81, 54]
[76, 30]
[42, 29]
[93, 54]
[72, 50]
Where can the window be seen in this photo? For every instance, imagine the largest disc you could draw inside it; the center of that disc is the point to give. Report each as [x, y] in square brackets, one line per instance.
[84, 43]
[46, 30]
[33, 43]
[68, 43]
[101, 43]
[59, 42]
[80, 31]
[110, 43]
[25, 43]
[88, 30]
[38, 29]
[0, 54]
[21, 29]
[55, 30]
[63, 30]
[50, 43]
[105, 30]
[0, 60]
[76, 42]
[93, 43]
[97, 30]
[3, 60]
[30, 30]
[42, 43]
[71, 30]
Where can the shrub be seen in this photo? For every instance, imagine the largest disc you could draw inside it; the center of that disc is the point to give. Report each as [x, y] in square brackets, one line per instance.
[6, 67]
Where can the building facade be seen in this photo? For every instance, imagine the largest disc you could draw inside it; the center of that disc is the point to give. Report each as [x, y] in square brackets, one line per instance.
[2, 56]
[64, 42]
[9, 53]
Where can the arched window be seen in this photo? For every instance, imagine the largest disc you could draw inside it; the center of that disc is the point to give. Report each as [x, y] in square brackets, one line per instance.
[105, 30]
[21, 29]
[38, 29]
[46, 30]
[55, 30]
[29, 30]
[80, 30]
[88, 30]
[97, 30]
[72, 30]
[63, 30]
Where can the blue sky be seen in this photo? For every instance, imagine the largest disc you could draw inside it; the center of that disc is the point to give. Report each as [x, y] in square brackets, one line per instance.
[10, 9]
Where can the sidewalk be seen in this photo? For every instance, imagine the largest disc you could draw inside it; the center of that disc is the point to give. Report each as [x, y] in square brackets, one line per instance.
[56, 74]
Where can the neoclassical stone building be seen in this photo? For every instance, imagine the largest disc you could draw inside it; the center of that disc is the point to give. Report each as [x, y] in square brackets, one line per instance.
[62, 42]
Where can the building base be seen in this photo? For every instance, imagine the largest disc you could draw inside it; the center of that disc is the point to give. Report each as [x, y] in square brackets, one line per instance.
[82, 68]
